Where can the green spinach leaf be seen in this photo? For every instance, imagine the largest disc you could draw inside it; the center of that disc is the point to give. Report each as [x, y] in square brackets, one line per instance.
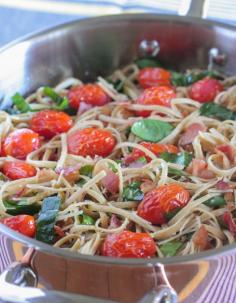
[171, 248]
[151, 129]
[46, 220]
[176, 172]
[182, 158]
[147, 62]
[180, 79]
[86, 170]
[87, 220]
[61, 102]
[132, 192]
[217, 111]
[215, 201]
[20, 103]
[21, 207]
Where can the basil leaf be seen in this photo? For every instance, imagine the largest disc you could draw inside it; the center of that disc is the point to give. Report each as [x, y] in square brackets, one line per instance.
[86, 170]
[182, 158]
[217, 111]
[61, 102]
[112, 167]
[176, 172]
[87, 220]
[132, 192]
[46, 220]
[172, 213]
[20, 103]
[70, 111]
[21, 207]
[49, 92]
[194, 77]
[151, 129]
[81, 182]
[179, 79]
[171, 248]
[147, 62]
[215, 201]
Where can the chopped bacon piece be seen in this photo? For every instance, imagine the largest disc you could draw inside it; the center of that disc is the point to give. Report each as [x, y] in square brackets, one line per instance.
[227, 150]
[201, 240]
[111, 182]
[190, 134]
[147, 186]
[135, 164]
[222, 185]
[59, 232]
[229, 197]
[71, 173]
[46, 175]
[199, 169]
[228, 220]
[114, 222]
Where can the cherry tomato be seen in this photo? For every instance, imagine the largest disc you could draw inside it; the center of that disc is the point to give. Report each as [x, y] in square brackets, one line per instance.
[153, 76]
[20, 143]
[127, 244]
[17, 170]
[24, 224]
[155, 148]
[49, 123]
[89, 93]
[159, 95]
[205, 90]
[91, 142]
[160, 201]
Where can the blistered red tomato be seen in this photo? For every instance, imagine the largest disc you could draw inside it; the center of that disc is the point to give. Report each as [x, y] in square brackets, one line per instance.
[160, 95]
[162, 200]
[17, 170]
[20, 143]
[153, 76]
[23, 224]
[205, 90]
[127, 244]
[155, 148]
[91, 142]
[49, 123]
[91, 94]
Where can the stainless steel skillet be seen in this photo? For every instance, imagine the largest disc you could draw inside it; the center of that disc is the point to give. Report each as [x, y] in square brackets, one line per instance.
[86, 49]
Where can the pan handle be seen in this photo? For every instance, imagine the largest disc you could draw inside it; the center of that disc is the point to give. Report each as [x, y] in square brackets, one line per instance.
[196, 8]
[17, 284]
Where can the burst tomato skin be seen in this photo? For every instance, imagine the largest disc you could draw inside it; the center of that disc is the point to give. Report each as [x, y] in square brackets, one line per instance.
[127, 244]
[155, 148]
[205, 90]
[91, 142]
[153, 76]
[157, 95]
[49, 123]
[160, 201]
[20, 143]
[17, 170]
[24, 224]
[91, 94]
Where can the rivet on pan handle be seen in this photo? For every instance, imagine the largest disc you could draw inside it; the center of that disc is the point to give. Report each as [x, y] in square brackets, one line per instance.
[162, 292]
[149, 48]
